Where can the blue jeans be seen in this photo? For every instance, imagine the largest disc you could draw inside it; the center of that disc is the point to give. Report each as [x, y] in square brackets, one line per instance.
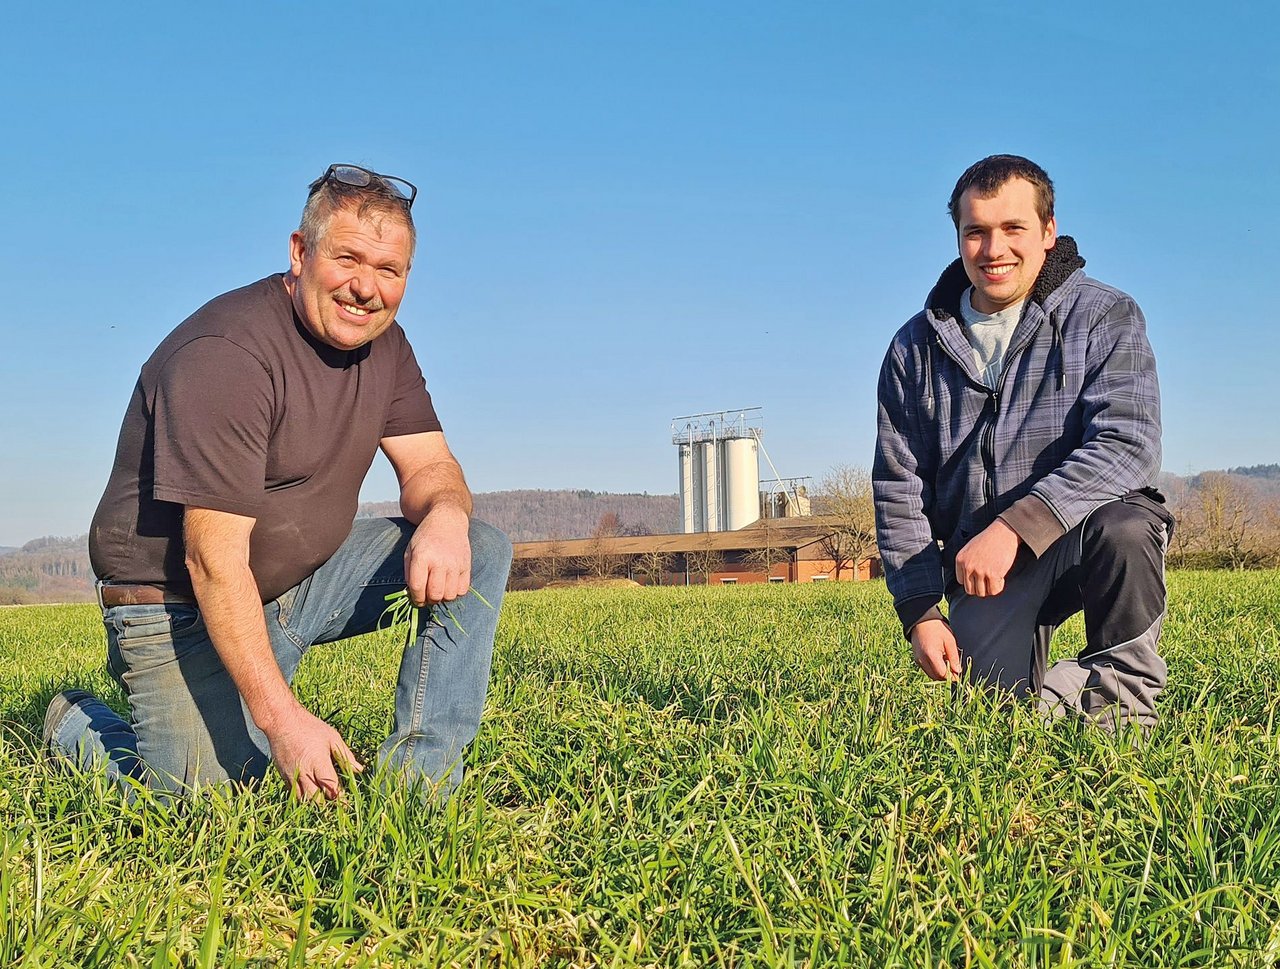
[191, 728]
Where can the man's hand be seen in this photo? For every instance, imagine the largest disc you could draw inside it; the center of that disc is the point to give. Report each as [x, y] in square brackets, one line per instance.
[933, 645]
[433, 493]
[982, 564]
[305, 750]
[437, 563]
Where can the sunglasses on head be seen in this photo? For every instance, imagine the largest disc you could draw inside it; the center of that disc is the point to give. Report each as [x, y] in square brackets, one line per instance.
[358, 177]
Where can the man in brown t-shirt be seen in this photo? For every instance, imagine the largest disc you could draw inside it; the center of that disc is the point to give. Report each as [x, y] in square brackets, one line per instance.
[225, 543]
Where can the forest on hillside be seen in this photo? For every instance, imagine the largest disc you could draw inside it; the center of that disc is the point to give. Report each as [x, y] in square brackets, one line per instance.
[531, 516]
[48, 569]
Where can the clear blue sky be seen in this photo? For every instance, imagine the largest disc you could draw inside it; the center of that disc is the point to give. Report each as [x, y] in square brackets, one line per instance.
[628, 211]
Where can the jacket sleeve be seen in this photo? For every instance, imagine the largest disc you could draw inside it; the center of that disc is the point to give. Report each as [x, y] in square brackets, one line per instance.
[903, 489]
[1120, 447]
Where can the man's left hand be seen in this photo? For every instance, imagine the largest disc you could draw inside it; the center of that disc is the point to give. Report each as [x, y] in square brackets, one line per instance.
[437, 563]
[983, 564]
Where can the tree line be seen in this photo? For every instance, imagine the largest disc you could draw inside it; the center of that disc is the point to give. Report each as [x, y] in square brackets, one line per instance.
[1225, 520]
[48, 569]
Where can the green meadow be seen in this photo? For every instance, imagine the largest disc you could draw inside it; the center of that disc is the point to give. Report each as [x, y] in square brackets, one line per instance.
[739, 776]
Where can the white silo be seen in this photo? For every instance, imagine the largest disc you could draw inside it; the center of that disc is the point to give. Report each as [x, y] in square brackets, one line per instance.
[692, 498]
[741, 482]
[719, 469]
[712, 505]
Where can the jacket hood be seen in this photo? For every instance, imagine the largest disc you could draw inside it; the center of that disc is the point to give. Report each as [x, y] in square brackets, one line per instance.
[1059, 263]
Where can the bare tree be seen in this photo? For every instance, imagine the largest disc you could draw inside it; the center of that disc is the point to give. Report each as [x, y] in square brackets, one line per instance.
[1182, 507]
[551, 564]
[769, 552]
[610, 524]
[1270, 534]
[1223, 521]
[846, 499]
[600, 559]
[653, 564]
[836, 547]
[704, 560]
[1224, 517]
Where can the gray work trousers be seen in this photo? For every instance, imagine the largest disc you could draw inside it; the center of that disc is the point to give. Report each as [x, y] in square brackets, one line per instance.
[1111, 565]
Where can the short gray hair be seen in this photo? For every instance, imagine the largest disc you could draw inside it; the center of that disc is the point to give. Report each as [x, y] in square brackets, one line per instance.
[373, 202]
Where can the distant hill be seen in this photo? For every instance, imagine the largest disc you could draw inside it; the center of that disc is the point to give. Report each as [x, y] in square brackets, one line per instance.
[49, 569]
[1256, 470]
[1261, 480]
[1267, 472]
[530, 516]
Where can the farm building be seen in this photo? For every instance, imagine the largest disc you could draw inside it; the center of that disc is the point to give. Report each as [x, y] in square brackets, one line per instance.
[771, 550]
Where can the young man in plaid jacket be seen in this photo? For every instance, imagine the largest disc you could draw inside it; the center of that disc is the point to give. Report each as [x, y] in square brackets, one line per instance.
[1018, 441]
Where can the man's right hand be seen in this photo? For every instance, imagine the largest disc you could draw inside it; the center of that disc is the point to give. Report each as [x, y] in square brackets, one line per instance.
[303, 747]
[305, 750]
[933, 645]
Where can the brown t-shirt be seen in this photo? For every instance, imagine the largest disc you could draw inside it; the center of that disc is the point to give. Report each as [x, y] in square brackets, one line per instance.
[242, 410]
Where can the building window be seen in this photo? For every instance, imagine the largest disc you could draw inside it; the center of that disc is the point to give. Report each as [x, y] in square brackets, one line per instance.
[777, 578]
[728, 581]
[820, 578]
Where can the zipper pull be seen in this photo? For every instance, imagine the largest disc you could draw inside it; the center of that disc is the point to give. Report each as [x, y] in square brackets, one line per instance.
[995, 401]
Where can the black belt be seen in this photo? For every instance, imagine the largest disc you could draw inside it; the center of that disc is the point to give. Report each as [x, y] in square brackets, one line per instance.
[115, 594]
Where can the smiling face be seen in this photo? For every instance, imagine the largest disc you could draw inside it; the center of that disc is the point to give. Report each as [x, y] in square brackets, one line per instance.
[348, 286]
[1003, 244]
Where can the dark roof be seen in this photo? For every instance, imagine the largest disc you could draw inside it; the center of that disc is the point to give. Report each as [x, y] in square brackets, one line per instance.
[784, 533]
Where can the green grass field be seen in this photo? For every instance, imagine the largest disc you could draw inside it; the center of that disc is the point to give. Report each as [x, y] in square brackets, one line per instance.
[749, 776]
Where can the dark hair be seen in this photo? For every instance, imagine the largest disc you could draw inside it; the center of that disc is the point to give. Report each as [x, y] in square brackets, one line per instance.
[375, 201]
[988, 176]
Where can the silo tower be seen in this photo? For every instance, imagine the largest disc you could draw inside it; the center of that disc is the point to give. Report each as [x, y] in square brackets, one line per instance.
[719, 469]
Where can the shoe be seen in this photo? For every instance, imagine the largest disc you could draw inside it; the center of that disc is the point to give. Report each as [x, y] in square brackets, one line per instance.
[59, 707]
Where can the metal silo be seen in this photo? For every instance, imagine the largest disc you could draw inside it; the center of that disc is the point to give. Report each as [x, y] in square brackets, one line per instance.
[741, 482]
[719, 469]
[691, 497]
[713, 506]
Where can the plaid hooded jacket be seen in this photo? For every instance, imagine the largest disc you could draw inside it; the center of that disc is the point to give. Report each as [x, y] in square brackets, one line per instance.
[1074, 423]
